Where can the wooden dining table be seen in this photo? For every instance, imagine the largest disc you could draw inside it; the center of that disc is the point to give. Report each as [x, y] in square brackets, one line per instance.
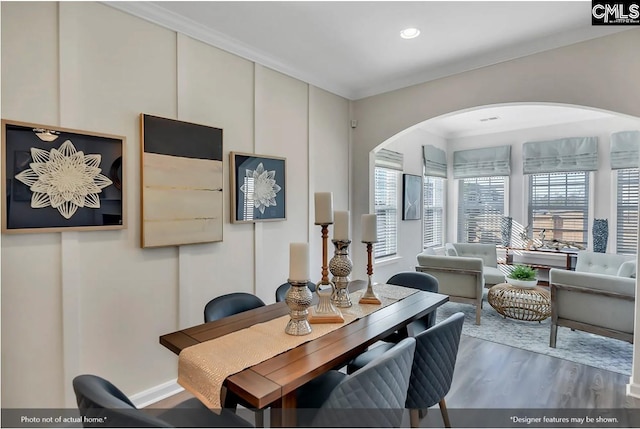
[273, 382]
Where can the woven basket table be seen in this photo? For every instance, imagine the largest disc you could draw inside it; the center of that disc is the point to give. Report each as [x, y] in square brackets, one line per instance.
[530, 304]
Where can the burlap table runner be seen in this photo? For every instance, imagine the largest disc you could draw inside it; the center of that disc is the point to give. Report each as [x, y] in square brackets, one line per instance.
[203, 368]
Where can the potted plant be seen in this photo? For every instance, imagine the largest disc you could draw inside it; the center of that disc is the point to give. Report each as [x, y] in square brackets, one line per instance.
[522, 276]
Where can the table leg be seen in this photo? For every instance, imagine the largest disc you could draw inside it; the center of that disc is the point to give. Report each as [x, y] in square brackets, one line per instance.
[283, 411]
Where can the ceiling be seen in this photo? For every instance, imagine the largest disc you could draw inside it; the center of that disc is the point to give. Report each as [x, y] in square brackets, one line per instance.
[354, 49]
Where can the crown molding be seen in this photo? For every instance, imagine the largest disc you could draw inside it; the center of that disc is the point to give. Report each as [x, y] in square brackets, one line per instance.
[172, 21]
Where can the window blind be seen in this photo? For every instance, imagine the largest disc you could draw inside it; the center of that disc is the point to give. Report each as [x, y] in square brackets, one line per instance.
[625, 150]
[433, 212]
[480, 209]
[386, 206]
[389, 159]
[559, 205]
[553, 156]
[627, 211]
[485, 162]
[435, 161]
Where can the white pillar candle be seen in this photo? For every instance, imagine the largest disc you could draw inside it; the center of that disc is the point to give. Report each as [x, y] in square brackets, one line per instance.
[299, 261]
[369, 228]
[341, 229]
[324, 208]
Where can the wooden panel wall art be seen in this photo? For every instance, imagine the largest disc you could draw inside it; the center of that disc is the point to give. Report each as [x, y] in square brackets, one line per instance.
[181, 182]
[60, 179]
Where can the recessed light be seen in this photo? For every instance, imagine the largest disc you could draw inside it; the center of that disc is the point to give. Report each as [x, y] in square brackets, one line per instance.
[409, 33]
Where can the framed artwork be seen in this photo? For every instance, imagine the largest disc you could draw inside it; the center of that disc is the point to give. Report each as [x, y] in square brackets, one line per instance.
[181, 198]
[258, 188]
[411, 197]
[58, 179]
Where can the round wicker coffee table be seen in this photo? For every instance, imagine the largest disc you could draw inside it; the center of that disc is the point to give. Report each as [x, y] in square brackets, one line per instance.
[530, 304]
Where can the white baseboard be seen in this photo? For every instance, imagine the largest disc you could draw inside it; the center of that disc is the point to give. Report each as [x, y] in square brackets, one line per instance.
[156, 393]
[633, 389]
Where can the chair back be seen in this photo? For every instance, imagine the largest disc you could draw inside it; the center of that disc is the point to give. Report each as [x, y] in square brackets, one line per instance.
[97, 397]
[230, 304]
[281, 292]
[373, 396]
[422, 281]
[434, 363]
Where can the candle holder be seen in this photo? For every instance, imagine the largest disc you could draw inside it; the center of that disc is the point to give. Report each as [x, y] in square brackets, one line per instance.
[324, 311]
[369, 296]
[340, 266]
[298, 299]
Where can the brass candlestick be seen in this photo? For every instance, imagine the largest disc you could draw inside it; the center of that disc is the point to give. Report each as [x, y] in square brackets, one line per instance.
[324, 311]
[340, 266]
[369, 296]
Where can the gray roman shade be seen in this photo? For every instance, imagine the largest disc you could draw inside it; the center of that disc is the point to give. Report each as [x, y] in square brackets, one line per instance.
[485, 162]
[389, 159]
[562, 155]
[435, 161]
[625, 150]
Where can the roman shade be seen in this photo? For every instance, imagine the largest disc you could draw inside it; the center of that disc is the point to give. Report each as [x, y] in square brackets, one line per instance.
[562, 155]
[625, 150]
[435, 161]
[389, 159]
[485, 162]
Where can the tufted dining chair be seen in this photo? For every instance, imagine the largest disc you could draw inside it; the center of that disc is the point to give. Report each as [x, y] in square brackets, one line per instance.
[99, 398]
[228, 305]
[433, 366]
[372, 397]
[412, 279]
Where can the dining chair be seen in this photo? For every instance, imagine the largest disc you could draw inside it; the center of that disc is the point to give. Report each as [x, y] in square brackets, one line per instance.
[433, 366]
[412, 279]
[101, 404]
[372, 397]
[281, 291]
[230, 304]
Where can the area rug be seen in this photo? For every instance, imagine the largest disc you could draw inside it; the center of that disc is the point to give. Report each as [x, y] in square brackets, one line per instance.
[576, 346]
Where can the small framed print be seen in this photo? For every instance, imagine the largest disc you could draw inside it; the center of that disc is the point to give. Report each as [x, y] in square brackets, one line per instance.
[411, 197]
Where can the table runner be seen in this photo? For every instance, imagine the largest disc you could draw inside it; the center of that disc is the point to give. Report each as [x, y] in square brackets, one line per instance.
[202, 368]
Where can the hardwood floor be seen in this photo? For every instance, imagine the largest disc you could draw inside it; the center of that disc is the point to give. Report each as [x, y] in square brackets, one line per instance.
[498, 379]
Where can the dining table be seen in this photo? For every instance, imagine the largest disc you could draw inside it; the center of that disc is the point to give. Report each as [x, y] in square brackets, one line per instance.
[272, 382]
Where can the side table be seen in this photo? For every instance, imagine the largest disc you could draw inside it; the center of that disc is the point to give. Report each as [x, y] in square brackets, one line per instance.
[530, 304]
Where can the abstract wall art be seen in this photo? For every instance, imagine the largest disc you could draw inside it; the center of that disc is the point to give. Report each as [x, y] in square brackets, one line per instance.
[411, 197]
[181, 198]
[258, 188]
[57, 179]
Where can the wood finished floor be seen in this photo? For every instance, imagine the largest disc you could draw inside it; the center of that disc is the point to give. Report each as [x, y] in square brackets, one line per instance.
[495, 376]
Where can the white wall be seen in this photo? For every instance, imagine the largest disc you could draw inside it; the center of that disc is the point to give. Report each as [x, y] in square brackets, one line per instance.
[95, 302]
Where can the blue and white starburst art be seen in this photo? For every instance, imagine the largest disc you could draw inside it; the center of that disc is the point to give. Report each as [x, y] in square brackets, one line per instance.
[64, 179]
[265, 187]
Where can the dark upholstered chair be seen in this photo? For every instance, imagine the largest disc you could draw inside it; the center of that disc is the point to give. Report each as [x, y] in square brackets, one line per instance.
[372, 397]
[412, 279]
[433, 366]
[230, 304]
[97, 397]
[284, 287]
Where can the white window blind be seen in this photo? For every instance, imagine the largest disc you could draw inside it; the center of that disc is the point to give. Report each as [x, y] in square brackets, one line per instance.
[386, 206]
[559, 205]
[433, 212]
[627, 211]
[480, 209]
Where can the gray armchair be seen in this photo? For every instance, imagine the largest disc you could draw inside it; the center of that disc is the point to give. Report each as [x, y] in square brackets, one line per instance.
[489, 255]
[461, 277]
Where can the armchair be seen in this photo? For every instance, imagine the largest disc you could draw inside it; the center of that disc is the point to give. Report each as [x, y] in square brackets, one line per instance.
[461, 278]
[599, 297]
[489, 255]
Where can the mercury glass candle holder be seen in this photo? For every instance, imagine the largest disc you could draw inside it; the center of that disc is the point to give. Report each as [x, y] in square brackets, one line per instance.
[340, 266]
[298, 299]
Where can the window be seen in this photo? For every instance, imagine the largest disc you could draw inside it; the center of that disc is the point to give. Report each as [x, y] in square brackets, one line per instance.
[481, 209]
[627, 211]
[386, 205]
[559, 206]
[433, 212]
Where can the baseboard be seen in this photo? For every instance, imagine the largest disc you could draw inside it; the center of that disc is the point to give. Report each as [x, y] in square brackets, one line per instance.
[633, 389]
[156, 393]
